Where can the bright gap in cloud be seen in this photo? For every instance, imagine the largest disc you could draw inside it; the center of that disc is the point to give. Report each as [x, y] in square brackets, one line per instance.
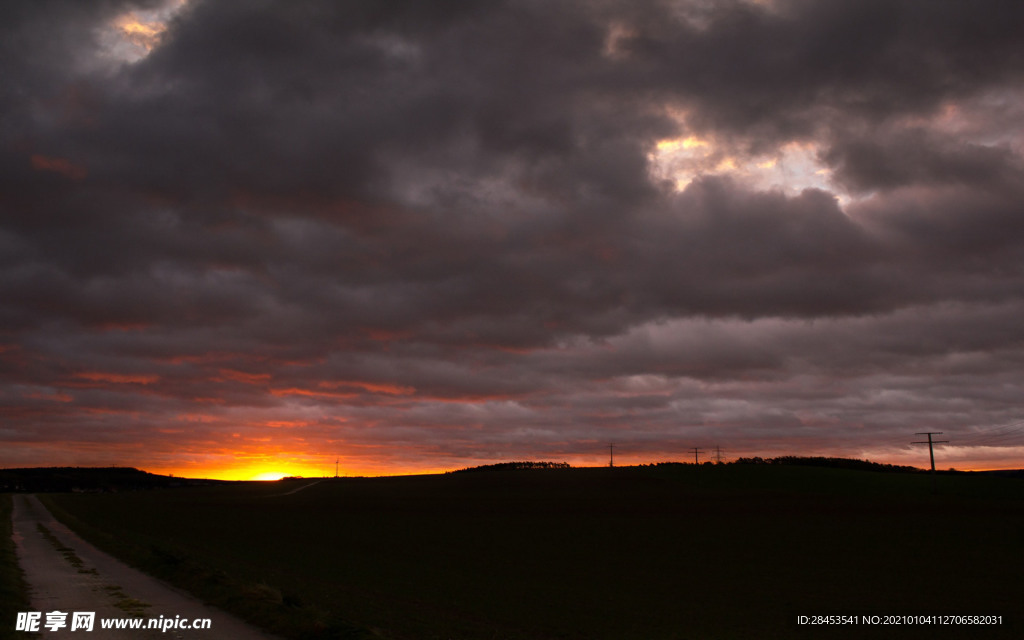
[131, 36]
[791, 168]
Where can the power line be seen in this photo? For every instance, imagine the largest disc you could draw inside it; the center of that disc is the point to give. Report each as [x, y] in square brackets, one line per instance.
[995, 436]
[1002, 440]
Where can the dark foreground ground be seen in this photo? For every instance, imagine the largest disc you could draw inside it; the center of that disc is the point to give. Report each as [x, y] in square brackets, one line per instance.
[668, 552]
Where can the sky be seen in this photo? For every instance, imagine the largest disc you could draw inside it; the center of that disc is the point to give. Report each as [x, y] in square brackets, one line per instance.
[247, 239]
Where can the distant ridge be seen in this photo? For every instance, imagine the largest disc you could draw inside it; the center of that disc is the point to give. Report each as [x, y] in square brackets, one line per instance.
[805, 461]
[1004, 473]
[836, 463]
[513, 466]
[92, 479]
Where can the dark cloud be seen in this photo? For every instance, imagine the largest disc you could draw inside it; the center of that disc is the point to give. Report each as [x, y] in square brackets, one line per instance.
[791, 68]
[897, 157]
[437, 231]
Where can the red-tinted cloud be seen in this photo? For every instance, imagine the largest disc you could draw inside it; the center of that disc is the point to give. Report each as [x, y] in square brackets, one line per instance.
[435, 234]
[62, 166]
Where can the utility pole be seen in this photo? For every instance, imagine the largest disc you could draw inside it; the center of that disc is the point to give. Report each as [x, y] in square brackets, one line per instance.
[336, 467]
[931, 450]
[718, 454]
[696, 464]
[611, 454]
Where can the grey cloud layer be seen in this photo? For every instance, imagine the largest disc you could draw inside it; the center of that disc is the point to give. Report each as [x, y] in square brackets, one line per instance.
[419, 194]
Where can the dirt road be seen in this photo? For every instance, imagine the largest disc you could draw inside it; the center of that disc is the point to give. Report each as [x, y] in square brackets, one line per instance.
[67, 574]
[293, 491]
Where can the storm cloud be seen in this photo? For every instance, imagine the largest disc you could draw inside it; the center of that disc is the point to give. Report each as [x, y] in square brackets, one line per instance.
[245, 237]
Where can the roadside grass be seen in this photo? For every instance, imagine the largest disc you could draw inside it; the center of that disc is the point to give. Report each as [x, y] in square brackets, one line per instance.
[67, 552]
[13, 590]
[664, 552]
[132, 606]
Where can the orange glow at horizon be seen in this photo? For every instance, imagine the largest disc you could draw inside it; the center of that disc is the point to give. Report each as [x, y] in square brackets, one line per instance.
[271, 473]
[259, 458]
[269, 463]
[276, 471]
[237, 447]
[270, 476]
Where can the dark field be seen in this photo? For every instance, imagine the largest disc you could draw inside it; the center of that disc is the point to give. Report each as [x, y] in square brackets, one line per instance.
[733, 551]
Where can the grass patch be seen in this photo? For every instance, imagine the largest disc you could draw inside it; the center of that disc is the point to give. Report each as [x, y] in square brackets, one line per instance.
[67, 552]
[660, 553]
[13, 590]
[132, 606]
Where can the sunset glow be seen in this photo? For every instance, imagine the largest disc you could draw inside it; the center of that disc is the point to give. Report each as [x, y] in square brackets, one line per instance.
[268, 476]
[246, 240]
